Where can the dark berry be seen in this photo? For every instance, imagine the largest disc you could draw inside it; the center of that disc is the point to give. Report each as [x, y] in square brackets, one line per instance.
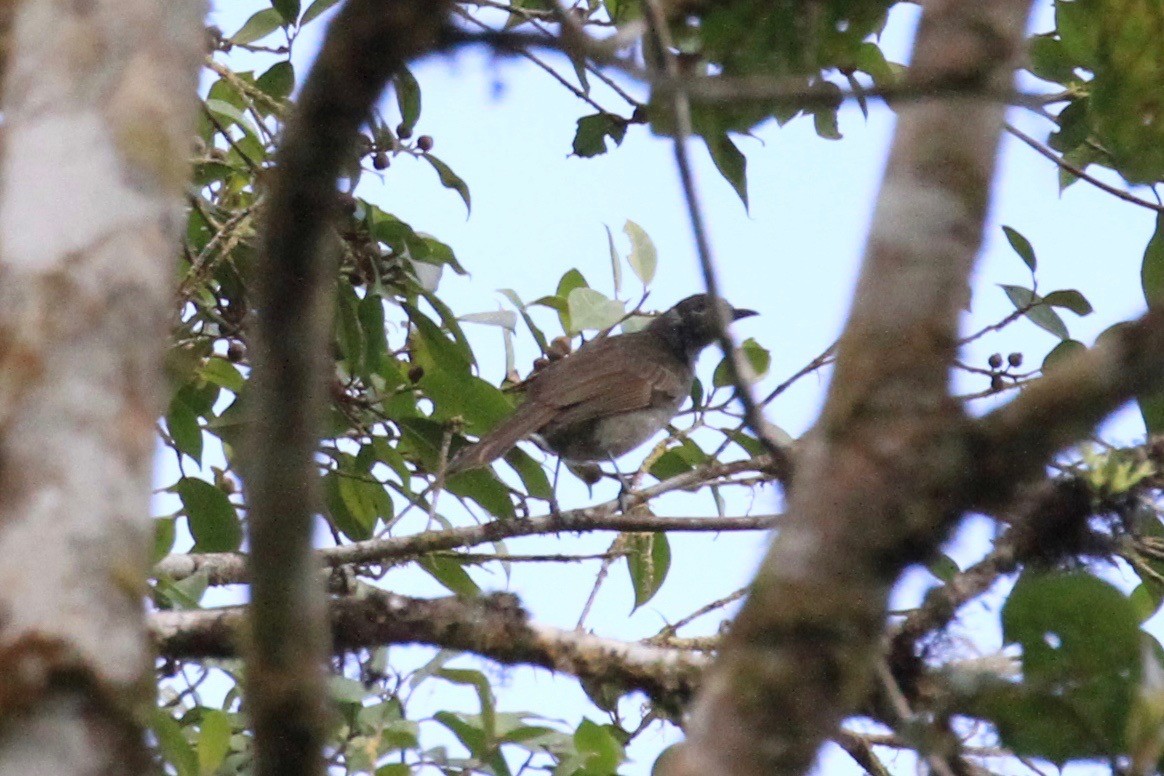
[236, 352]
[403, 132]
[415, 373]
[995, 360]
[380, 161]
[1015, 359]
[424, 143]
[996, 383]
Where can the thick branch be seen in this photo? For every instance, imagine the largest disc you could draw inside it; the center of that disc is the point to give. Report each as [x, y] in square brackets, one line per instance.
[1014, 442]
[881, 477]
[366, 43]
[493, 626]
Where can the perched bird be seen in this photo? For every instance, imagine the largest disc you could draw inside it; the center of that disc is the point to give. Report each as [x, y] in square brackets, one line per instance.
[609, 396]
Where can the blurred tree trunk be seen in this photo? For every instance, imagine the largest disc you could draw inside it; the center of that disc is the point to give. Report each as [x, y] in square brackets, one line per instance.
[885, 473]
[98, 108]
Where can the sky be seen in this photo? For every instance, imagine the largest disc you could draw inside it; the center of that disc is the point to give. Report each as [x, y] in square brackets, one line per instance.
[506, 127]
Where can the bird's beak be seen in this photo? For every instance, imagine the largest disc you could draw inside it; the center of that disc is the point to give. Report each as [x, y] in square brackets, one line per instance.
[737, 314]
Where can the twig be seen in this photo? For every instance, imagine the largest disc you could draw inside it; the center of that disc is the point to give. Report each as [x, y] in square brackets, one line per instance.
[900, 707]
[681, 108]
[670, 630]
[827, 356]
[1079, 172]
[228, 568]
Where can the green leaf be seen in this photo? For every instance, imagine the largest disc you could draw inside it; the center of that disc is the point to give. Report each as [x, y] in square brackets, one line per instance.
[288, 9]
[943, 567]
[590, 136]
[1049, 59]
[669, 464]
[472, 736]
[259, 26]
[615, 262]
[228, 114]
[603, 752]
[648, 561]
[370, 312]
[482, 486]
[1152, 411]
[571, 280]
[1152, 267]
[643, 257]
[756, 356]
[213, 740]
[223, 374]
[184, 429]
[165, 532]
[212, 518]
[315, 9]
[730, 162]
[1036, 311]
[279, 81]
[450, 573]
[342, 689]
[534, 331]
[408, 102]
[1062, 352]
[824, 121]
[434, 349]
[591, 310]
[479, 682]
[1021, 246]
[337, 510]
[532, 475]
[1069, 299]
[1146, 599]
[1079, 669]
[394, 769]
[449, 179]
[172, 743]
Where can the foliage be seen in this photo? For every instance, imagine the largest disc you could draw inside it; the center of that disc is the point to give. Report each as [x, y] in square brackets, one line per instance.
[406, 391]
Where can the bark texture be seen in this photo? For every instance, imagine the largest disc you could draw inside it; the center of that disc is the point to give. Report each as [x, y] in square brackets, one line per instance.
[365, 44]
[98, 114]
[881, 478]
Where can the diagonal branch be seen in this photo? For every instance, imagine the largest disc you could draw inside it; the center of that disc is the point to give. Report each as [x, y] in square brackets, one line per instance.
[1014, 442]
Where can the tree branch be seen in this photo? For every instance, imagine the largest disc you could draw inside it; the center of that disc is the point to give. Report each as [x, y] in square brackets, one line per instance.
[1013, 443]
[229, 568]
[494, 626]
[365, 44]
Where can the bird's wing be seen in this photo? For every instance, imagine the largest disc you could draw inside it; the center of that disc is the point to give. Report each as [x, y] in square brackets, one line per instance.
[642, 380]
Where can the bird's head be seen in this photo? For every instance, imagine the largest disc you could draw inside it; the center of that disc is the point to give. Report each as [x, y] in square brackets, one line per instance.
[691, 323]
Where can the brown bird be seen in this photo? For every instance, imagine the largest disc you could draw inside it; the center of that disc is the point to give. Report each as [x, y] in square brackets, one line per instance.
[611, 395]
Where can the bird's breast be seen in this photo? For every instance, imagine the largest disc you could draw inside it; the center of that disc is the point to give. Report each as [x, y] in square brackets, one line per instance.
[603, 439]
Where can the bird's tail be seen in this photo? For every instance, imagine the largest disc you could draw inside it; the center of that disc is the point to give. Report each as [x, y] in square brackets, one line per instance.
[527, 419]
